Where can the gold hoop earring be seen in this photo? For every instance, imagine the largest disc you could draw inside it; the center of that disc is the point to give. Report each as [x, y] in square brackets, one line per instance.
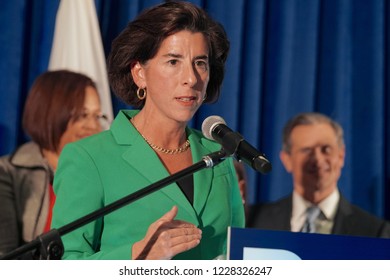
[143, 96]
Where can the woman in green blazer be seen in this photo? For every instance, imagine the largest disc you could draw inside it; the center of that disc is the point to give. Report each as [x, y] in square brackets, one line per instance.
[168, 62]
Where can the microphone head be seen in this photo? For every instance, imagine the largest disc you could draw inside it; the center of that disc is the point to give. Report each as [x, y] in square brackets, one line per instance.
[209, 124]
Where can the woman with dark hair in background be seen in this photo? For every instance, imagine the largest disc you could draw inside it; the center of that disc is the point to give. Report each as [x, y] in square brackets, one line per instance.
[62, 107]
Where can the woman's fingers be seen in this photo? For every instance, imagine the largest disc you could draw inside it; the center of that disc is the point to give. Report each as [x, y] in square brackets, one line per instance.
[170, 215]
[167, 237]
[173, 241]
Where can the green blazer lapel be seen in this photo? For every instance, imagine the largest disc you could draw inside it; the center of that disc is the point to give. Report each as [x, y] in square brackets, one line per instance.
[137, 152]
[202, 178]
[140, 156]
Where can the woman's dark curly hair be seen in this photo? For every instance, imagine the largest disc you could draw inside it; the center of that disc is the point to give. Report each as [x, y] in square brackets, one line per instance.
[142, 38]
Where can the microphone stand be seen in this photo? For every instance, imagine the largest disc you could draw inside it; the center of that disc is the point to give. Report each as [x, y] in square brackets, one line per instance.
[49, 245]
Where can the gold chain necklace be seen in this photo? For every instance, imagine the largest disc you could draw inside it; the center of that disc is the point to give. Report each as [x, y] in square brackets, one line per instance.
[179, 150]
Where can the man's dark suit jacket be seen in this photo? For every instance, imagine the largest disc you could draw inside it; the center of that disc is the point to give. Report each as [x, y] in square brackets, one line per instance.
[349, 219]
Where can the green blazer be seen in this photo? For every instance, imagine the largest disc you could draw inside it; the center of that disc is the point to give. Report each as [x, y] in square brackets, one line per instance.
[103, 168]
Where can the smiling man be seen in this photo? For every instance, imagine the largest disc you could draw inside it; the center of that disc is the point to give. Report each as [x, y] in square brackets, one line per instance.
[313, 152]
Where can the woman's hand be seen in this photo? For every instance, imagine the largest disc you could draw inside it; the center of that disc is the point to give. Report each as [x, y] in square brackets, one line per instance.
[166, 238]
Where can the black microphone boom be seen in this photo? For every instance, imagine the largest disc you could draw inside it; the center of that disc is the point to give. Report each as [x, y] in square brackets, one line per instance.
[214, 128]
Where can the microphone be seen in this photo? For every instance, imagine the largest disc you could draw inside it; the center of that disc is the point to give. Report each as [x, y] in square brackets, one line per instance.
[214, 128]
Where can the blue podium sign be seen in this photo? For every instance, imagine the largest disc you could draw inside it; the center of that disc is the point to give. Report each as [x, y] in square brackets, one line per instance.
[255, 244]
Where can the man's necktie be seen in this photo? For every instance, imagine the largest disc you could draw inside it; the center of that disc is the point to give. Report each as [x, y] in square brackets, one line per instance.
[312, 214]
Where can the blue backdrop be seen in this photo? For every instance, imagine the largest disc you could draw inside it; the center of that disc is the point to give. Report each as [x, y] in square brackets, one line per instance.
[287, 56]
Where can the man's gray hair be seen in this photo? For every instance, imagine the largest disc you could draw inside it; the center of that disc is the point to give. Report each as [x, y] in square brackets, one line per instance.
[309, 119]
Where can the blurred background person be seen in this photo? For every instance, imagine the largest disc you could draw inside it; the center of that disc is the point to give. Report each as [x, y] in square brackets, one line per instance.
[313, 152]
[61, 107]
[167, 62]
[242, 182]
